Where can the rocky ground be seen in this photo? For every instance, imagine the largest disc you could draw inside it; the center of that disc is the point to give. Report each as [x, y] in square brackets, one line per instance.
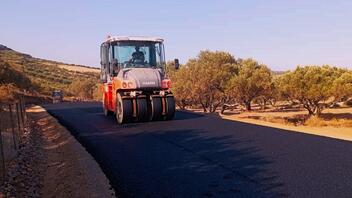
[51, 163]
[24, 175]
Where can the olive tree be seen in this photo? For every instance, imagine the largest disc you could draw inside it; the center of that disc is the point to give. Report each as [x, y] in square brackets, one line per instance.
[203, 80]
[253, 80]
[342, 86]
[181, 87]
[312, 86]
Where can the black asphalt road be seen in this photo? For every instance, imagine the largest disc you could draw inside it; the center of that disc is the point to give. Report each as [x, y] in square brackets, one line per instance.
[205, 156]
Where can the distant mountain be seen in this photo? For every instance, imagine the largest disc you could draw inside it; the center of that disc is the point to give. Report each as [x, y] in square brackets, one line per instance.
[3, 47]
[279, 72]
[40, 75]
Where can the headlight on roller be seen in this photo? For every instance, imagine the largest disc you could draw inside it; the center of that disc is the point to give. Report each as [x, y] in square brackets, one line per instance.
[128, 84]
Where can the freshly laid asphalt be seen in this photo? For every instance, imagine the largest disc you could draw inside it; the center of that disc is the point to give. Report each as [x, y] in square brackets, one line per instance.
[206, 156]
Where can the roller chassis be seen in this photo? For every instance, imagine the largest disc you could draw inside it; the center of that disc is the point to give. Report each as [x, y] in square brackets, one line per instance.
[135, 85]
[142, 106]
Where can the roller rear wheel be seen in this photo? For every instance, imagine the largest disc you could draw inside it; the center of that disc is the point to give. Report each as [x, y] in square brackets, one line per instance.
[142, 110]
[124, 109]
[155, 109]
[170, 107]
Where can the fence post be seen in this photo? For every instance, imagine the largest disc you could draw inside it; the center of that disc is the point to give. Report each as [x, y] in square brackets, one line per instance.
[2, 156]
[21, 111]
[24, 110]
[13, 127]
[18, 120]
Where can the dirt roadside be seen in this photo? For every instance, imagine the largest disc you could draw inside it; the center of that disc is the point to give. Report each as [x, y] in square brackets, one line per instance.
[68, 170]
[342, 133]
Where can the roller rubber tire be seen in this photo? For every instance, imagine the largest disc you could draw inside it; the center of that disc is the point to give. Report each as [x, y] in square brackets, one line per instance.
[155, 109]
[142, 110]
[124, 110]
[170, 108]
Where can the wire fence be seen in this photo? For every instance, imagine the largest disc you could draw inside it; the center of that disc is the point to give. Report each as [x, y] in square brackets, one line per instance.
[12, 123]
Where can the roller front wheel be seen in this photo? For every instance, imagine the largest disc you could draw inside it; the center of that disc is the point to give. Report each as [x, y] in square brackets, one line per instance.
[124, 109]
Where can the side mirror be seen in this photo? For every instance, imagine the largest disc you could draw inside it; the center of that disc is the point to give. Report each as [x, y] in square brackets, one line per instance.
[177, 64]
[103, 78]
[115, 66]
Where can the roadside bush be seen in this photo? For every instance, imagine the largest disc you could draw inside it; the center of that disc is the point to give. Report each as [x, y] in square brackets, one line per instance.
[98, 92]
[312, 86]
[334, 122]
[7, 92]
[82, 88]
[9, 75]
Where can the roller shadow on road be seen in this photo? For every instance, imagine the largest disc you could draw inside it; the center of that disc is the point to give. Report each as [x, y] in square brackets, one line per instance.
[219, 166]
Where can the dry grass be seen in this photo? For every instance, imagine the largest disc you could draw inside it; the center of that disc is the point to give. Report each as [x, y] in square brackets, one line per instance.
[269, 118]
[334, 122]
[333, 117]
[7, 92]
[79, 68]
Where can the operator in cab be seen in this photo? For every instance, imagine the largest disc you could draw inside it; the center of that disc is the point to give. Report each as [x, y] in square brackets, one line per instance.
[137, 56]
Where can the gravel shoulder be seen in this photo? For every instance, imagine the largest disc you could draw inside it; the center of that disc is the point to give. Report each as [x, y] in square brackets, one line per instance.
[70, 170]
[342, 133]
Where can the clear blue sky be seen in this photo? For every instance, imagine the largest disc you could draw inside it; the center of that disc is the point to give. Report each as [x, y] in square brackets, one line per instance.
[281, 34]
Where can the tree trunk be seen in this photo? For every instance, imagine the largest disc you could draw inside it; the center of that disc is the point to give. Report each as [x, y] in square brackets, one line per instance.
[308, 108]
[223, 104]
[204, 107]
[273, 102]
[310, 112]
[315, 109]
[183, 104]
[263, 104]
[211, 108]
[248, 105]
[318, 111]
[223, 108]
[215, 106]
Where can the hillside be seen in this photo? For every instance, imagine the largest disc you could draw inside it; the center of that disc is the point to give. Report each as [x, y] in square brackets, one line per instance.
[40, 75]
